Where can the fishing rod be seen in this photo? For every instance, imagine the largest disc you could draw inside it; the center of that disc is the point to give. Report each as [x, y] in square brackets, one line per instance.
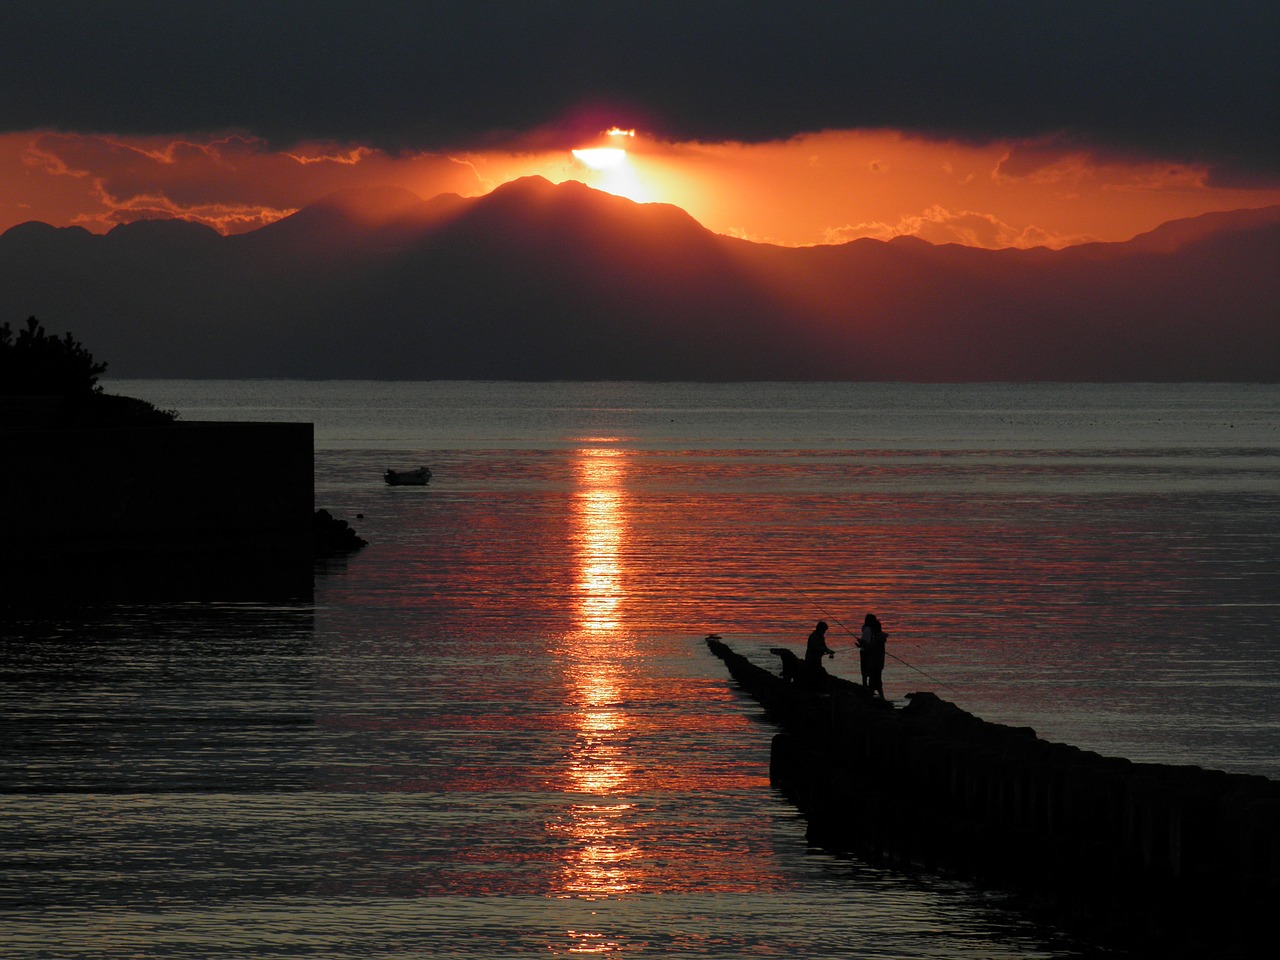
[836, 621]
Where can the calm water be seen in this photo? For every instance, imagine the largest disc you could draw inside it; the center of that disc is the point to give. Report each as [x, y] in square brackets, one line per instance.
[497, 732]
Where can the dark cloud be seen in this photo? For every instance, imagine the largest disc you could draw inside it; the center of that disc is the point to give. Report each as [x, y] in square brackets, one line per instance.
[1185, 81]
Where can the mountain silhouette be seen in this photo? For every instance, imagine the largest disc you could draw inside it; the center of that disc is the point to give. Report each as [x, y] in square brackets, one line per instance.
[543, 281]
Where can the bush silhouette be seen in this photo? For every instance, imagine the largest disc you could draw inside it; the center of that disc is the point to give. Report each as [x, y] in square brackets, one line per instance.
[35, 363]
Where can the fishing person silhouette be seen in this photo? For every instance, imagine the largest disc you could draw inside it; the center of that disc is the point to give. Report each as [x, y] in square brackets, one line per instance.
[871, 654]
[808, 671]
[817, 648]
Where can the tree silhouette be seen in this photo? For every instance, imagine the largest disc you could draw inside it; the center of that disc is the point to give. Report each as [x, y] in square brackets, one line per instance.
[36, 363]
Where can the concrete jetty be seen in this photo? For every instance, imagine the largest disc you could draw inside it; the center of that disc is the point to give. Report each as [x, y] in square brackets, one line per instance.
[1155, 859]
[190, 510]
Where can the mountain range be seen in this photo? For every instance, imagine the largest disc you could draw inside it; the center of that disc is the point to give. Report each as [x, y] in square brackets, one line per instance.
[540, 281]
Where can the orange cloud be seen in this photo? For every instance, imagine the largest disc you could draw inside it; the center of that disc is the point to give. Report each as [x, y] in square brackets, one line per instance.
[939, 225]
[231, 183]
[841, 185]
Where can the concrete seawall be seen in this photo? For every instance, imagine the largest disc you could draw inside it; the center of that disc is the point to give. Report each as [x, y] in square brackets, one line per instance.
[1168, 860]
[189, 510]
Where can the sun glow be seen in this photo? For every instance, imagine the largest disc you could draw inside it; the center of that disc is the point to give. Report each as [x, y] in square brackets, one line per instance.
[602, 158]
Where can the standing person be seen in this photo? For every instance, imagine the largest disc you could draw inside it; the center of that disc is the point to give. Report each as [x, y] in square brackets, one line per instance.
[871, 654]
[817, 648]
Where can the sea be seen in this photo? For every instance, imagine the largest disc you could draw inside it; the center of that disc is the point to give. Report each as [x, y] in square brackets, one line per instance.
[496, 731]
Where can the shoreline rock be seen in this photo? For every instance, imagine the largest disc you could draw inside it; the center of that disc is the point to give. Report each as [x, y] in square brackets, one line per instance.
[332, 536]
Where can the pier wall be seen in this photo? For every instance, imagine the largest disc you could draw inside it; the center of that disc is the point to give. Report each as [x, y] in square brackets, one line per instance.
[1175, 858]
[185, 510]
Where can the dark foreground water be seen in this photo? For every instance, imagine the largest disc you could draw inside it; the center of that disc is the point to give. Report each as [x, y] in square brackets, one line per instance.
[497, 732]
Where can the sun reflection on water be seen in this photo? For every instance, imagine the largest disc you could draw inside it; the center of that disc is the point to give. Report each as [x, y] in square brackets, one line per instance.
[597, 830]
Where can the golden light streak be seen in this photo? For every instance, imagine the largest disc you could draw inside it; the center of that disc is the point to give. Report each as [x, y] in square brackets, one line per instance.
[602, 848]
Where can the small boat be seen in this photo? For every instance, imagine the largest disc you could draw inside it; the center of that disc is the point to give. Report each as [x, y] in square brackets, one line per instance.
[408, 478]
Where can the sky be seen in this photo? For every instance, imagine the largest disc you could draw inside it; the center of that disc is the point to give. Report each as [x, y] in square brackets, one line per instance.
[990, 124]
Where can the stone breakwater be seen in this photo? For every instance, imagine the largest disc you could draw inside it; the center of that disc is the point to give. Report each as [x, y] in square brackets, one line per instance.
[1172, 860]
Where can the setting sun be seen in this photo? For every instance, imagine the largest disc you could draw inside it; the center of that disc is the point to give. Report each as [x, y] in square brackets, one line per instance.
[612, 169]
[602, 158]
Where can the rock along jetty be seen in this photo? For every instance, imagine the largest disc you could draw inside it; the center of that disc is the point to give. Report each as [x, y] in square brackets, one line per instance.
[1171, 860]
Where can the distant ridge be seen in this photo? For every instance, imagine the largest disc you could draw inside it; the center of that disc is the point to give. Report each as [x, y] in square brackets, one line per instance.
[543, 281]
[1177, 234]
